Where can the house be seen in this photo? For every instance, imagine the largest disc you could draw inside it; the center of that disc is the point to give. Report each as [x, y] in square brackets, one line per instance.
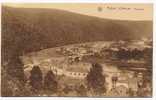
[77, 70]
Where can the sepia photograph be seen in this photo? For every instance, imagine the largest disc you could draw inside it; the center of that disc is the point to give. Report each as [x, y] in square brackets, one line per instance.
[101, 50]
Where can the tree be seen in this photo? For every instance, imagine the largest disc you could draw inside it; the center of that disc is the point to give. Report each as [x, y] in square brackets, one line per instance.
[81, 90]
[95, 79]
[148, 53]
[137, 54]
[123, 54]
[36, 78]
[67, 89]
[11, 86]
[15, 69]
[50, 82]
[6, 89]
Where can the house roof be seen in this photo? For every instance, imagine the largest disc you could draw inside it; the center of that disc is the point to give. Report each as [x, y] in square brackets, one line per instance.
[78, 67]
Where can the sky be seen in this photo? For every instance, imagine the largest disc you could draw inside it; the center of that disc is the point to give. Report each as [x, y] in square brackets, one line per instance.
[111, 11]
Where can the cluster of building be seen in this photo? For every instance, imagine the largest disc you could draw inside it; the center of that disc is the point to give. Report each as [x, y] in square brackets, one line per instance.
[70, 66]
[115, 78]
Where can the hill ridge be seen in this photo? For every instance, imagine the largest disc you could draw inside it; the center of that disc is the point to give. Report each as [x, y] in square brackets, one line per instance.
[28, 29]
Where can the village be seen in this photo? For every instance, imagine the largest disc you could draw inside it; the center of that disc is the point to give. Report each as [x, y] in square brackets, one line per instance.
[71, 69]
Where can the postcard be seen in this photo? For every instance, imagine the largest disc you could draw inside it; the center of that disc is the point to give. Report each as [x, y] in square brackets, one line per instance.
[77, 50]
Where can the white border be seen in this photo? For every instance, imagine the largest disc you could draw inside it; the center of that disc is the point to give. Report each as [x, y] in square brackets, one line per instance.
[83, 1]
[94, 1]
[71, 98]
[154, 51]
